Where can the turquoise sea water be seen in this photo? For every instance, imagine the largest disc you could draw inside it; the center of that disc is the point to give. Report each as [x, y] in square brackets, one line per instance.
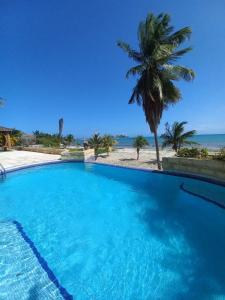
[119, 234]
[211, 141]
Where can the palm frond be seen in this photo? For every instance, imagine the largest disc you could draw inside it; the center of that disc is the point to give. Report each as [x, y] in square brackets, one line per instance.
[131, 53]
[179, 36]
[177, 54]
[179, 72]
[135, 70]
[188, 134]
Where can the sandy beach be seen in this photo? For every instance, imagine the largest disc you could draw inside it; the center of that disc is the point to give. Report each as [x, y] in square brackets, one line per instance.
[127, 157]
[122, 156]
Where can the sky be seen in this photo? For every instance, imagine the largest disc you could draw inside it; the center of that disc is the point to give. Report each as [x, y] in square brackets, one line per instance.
[60, 59]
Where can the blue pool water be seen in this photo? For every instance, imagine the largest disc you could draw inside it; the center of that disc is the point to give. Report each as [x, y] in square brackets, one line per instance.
[119, 234]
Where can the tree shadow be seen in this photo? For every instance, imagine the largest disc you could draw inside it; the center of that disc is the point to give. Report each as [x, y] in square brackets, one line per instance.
[194, 235]
[128, 159]
[34, 292]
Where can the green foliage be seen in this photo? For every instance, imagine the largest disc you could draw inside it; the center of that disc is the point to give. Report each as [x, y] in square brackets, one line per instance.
[108, 142]
[204, 153]
[139, 143]
[95, 142]
[101, 151]
[193, 153]
[15, 138]
[47, 139]
[101, 144]
[220, 155]
[156, 71]
[74, 150]
[52, 141]
[176, 137]
[68, 140]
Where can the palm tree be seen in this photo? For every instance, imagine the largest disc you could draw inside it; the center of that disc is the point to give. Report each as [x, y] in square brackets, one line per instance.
[159, 48]
[68, 139]
[139, 143]
[175, 136]
[108, 142]
[95, 142]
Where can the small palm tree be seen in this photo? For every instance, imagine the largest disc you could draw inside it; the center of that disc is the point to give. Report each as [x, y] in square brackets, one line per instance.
[139, 143]
[156, 68]
[68, 139]
[95, 142]
[176, 137]
[108, 142]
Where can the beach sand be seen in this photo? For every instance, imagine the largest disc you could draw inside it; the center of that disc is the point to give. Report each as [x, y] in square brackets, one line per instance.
[120, 156]
[127, 157]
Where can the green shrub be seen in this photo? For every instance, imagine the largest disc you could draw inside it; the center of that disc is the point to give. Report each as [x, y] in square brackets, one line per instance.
[204, 153]
[101, 150]
[193, 152]
[51, 141]
[220, 155]
[186, 152]
[46, 150]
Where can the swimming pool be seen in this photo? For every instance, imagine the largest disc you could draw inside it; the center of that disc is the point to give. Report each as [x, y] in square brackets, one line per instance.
[116, 233]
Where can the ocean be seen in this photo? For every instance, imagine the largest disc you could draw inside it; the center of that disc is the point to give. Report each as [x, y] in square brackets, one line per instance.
[210, 141]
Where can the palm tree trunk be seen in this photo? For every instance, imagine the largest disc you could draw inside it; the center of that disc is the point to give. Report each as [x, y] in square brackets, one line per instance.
[138, 154]
[96, 153]
[157, 149]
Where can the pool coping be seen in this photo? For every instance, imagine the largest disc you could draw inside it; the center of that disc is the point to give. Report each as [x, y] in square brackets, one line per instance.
[168, 173]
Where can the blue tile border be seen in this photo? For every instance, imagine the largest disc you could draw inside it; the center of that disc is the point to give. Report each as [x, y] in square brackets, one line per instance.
[192, 176]
[169, 173]
[43, 263]
[202, 197]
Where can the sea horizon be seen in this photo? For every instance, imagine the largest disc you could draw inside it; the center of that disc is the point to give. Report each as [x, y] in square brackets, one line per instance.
[211, 141]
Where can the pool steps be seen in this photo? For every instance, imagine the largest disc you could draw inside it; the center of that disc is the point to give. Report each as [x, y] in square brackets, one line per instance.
[24, 272]
[2, 171]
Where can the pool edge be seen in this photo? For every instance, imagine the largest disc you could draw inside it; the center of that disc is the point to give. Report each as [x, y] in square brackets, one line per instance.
[168, 173]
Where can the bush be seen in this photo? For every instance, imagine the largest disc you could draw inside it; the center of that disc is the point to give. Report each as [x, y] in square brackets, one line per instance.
[42, 150]
[204, 153]
[193, 152]
[220, 155]
[101, 151]
[47, 140]
[52, 142]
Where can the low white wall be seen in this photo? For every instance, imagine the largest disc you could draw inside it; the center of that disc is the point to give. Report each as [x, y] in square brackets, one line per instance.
[80, 155]
[209, 168]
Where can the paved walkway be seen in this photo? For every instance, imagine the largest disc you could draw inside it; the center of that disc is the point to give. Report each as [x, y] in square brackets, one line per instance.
[13, 159]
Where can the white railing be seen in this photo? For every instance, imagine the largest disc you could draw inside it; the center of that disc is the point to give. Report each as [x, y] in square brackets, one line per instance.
[2, 171]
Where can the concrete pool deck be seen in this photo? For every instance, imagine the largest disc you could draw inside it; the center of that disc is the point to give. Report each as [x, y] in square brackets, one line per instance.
[15, 159]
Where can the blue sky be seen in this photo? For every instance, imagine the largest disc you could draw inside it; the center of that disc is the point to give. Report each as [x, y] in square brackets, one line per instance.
[60, 59]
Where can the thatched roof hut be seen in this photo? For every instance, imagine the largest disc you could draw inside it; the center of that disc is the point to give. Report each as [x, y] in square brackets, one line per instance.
[5, 130]
[6, 133]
